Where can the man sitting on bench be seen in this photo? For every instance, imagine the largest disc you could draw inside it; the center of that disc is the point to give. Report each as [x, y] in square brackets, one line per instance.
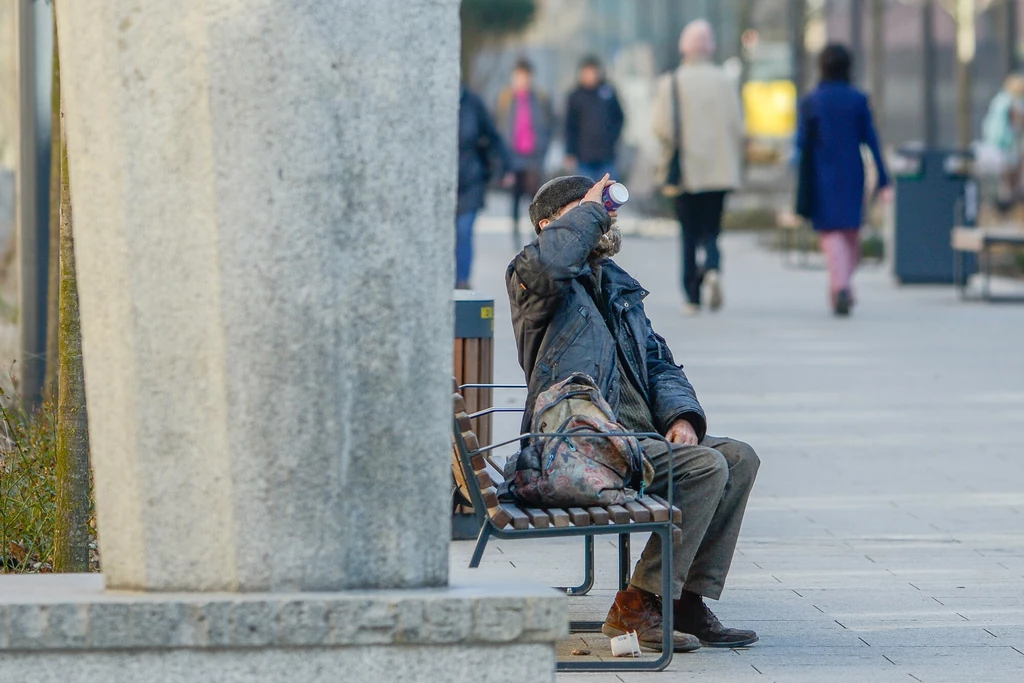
[575, 310]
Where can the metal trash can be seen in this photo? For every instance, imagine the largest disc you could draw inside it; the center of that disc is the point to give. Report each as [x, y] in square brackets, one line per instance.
[474, 354]
[936, 192]
[473, 364]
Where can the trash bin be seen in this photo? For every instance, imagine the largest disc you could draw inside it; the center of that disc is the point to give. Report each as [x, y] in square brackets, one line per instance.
[936, 192]
[473, 364]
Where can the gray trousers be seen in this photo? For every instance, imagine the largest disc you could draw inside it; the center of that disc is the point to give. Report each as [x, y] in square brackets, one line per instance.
[713, 481]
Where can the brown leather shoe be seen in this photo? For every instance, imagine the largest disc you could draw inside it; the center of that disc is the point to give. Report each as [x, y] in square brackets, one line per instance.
[635, 610]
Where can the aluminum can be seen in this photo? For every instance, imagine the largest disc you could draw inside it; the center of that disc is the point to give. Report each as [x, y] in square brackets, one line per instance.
[615, 196]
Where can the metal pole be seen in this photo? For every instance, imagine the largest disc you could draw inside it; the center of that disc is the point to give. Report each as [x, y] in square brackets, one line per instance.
[797, 23]
[1011, 15]
[857, 38]
[930, 80]
[673, 25]
[878, 64]
[965, 49]
[714, 16]
[35, 55]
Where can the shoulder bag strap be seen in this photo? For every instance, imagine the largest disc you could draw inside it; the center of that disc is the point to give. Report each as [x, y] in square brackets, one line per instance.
[677, 117]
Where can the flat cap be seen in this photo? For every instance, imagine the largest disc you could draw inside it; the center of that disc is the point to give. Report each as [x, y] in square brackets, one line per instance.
[555, 194]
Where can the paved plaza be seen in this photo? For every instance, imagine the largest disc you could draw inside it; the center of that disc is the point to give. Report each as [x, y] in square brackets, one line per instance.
[884, 540]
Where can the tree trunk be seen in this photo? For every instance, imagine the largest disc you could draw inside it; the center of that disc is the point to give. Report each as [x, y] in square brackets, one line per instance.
[965, 49]
[472, 43]
[878, 64]
[857, 40]
[50, 380]
[798, 19]
[71, 542]
[744, 21]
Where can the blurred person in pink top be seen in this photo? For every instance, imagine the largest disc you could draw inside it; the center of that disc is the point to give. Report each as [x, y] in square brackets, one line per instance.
[526, 121]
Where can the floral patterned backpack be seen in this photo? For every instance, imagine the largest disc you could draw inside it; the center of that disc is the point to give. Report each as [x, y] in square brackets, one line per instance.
[582, 470]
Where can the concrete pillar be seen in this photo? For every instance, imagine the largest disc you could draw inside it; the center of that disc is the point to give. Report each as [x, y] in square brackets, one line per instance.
[263, 195]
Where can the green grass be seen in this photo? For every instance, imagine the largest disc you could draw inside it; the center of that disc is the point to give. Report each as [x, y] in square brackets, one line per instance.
[28, 488]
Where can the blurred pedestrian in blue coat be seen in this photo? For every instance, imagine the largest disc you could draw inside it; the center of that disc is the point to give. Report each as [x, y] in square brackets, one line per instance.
[480, 148]
[834, 121]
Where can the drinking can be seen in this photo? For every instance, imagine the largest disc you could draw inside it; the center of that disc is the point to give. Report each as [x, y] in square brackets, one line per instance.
[615, 196]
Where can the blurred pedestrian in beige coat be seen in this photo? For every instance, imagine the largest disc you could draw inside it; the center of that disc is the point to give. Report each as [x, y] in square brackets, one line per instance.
[710, 120]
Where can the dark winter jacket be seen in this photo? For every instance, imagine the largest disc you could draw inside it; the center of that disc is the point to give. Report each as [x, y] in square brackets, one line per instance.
[480, 152]
[560, 329]
[593, 124]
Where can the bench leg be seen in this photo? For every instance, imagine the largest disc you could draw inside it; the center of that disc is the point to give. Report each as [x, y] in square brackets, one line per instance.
[959, 273]
[662, 662]
[668, 639]
[987, 294]
[588, 570]
[481, 543]
[624, 562]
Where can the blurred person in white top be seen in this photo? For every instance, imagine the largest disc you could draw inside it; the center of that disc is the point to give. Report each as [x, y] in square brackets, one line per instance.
[711, 126]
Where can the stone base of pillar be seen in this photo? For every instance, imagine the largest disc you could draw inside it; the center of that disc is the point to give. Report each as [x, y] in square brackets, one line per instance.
[69, 629]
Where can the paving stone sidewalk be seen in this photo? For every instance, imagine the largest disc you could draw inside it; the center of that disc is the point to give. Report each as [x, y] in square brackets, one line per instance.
[884, 540]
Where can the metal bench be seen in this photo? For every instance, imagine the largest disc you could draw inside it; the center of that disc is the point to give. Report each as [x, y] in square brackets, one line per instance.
[967, 240]
[477, 478]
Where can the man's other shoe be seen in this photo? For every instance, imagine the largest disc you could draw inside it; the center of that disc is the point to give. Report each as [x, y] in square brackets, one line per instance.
[635, 610]
[712, 290]
[693, 616]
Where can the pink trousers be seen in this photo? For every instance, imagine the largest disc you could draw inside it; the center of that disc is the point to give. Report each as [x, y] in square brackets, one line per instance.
[842, 252]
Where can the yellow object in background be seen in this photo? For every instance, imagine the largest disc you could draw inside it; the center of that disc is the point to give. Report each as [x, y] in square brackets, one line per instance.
[770, 108]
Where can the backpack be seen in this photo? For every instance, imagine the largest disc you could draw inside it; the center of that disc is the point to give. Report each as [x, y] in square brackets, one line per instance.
[581, 471]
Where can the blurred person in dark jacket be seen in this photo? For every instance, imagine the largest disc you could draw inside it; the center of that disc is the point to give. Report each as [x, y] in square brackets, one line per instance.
[480, 147]
[526, 121]
[575, 310]
[593, 123]
[834, 121]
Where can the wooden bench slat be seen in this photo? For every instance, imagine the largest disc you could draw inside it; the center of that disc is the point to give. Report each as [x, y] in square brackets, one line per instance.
[460, 482]
[490, 496]
[677, 514]
[619, 514]
[579, 517]
[485, 481]
[677, 535]
[538, 518]
[520, 520]
[499, 516]
[472, 444]
[459, 403]
[598, 515]
[477, 461]
[462, 419]
[638, 512]
[977, 239]
[560, 518]
[658, 511]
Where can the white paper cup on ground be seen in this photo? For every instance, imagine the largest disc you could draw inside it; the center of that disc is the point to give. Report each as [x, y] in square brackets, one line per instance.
[627, 645]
